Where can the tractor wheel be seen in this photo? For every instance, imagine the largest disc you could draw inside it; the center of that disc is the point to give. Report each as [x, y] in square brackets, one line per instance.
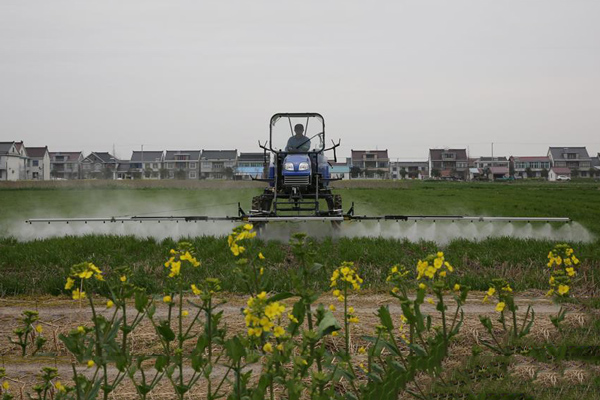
[257, 203]
[337, 202]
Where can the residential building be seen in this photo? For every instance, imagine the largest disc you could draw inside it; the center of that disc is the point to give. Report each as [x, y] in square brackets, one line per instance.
[66, 165]
[559, 173]
[576, 159]
[530, 166]
[409, 169]
[146, 164]
[38, 164]
[448, 163]
[370, 164]
[341, 170]
[13, 161]
[493, 167]
[251, 165]
[596, 165]
[124, 170]
[99, 165]
[218, 164]
[182, 164]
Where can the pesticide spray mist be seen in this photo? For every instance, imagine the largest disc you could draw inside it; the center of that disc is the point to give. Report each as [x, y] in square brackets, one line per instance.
[439, 232]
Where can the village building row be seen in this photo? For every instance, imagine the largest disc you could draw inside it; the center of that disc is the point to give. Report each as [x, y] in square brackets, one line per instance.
[18, 162]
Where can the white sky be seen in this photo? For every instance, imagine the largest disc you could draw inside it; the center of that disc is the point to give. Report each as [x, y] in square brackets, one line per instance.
[401, 75]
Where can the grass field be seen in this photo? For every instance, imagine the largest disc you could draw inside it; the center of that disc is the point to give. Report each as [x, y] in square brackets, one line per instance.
[39, 266]
[32, 272]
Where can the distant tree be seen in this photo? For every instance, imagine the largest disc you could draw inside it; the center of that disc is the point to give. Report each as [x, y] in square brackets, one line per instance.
[574, 173]
[136, 175]
[435, 173]
[180, 174]
[228, 172]
[545, 173]
[403, 173]
[591, 172]
[413, 174]
[511, 169]
[355, 172]
[164, 173]
[487, 171]
[148, 172]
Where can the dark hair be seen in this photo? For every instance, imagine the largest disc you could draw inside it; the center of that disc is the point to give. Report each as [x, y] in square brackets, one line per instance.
[298, 127]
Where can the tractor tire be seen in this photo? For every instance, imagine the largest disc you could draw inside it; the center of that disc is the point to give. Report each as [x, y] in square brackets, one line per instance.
[337, 202]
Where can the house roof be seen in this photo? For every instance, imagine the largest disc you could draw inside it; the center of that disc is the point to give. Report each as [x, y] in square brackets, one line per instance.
[436, 154]
[219, 154]
[147, 155]
[251, 157]
[499, 170]
[71, 155]
[359, 154]
[36, 152]
[123, 166]
[5, 147]
[561, 170]
[103, 156]
[596, 161]
[194, 155]
[557, 152]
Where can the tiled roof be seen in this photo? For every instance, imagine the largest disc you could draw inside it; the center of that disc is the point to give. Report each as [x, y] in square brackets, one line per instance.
[71, 155]
[251, 157]
[194, 155]
[105, 157]
[219, 154]
[557, 152]
[561, 170]
[5, 147]
[436, 154]
[36, 152]
[147, 156]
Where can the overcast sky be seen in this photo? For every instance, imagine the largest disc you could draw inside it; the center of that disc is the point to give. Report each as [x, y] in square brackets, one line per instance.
[399, 75]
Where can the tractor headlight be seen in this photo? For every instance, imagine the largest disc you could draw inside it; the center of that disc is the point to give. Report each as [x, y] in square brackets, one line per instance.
[303, 166]
[288, 166]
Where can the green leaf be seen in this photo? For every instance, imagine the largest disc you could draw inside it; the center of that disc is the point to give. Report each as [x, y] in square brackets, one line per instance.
[280, 296]
[235, 349]
[166, 332]
[419, 351]
[160, 363]
[385, 318]
[328, 324]
[141, 300]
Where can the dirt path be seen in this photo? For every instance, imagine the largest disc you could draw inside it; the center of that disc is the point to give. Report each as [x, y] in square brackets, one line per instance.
[61, 315]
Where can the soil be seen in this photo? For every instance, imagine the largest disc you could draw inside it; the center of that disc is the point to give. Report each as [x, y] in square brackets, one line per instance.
[61, 315]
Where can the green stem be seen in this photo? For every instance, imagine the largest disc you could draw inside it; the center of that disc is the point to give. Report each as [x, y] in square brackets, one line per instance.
[346, 324]
[441, 297]
[514, 317]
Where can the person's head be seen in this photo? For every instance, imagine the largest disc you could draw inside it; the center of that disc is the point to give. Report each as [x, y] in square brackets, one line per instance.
[299, 129]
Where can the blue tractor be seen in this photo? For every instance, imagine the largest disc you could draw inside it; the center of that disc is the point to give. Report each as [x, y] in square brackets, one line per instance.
[299, 173]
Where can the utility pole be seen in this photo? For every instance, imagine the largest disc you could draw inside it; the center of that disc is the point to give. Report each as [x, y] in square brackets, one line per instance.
[142, 176]
[492, 151]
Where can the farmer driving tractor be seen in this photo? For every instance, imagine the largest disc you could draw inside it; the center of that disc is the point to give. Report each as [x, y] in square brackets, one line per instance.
[298, 143]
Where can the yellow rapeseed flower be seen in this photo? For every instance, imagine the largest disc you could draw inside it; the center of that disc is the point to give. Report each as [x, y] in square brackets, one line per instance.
[90, 363]
[332, 307]
[571, 271]
[123, 278]
[334, 333]
[563, 289]
[361, 350]
[353, 320]
[196, 291]
[422, 286]
[60, 387]
[77, 295]
[248, 227]
[491, 291]
[70, 283]
[278, 331]
[292, 318]
[429, 300]
[5, 385]
[500, 306]
[185, 313]
[80, 329]
[109, 304]
[260, 255]
[456, 287]
[268, 348]
[39, 329]
[167, 299]
[280, 347]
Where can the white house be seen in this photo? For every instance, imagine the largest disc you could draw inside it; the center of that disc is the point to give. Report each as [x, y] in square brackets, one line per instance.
[38, 167]
[13, 161]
